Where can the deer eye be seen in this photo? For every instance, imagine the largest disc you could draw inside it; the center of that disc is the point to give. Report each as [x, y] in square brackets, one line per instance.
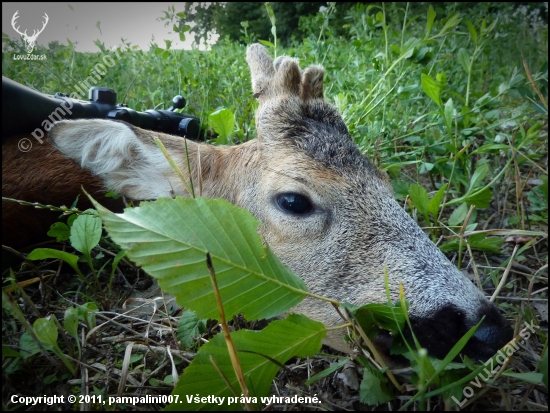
[294, 203]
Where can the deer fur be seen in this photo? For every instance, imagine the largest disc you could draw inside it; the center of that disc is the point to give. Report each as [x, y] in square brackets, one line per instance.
[355, 230]
[45, 176]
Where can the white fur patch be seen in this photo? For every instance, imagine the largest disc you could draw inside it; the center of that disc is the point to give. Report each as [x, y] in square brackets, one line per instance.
[129, 164]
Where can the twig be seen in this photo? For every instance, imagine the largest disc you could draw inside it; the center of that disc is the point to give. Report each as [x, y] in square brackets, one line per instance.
[229, 341]
[461, 235]
[505, 275]
[533, 82]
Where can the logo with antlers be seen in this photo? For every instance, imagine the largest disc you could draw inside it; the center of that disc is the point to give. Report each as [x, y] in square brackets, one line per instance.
[30, 41]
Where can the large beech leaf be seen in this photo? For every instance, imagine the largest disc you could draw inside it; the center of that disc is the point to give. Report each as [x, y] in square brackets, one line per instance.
[169, 238]
[258, 352]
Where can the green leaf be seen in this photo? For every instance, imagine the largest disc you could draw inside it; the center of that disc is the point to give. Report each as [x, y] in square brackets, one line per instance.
[373, 389]
[543, 367]
[478, 176]
[9, 352]
[135, 358]
[450, 378]
[441, 79]
[449, 113]
[60, 231]
[400, 188]
[86, 313]
[267, 43]
[295, 336]
[46, 331]
[464, 59]
[45, 253]
[325, 372]
[71, 220]
[538, 198]
[169, 238]
[531, 377]
[270, 12]
[85, 233]
[451, 23]
[223, 122]
[52, 378]
[492, 26]
[373, 316]
[459, 215]
[430, 20]
[490, 148]
[473, 32]
[419, 198]
[189, 327]
[70, 322]
[433, 204]
[481, 199]
[408, 49]
[426, 167]
[28, 346]
[481, 242]
[478, 242]
[121, 254]
[483, 26]
[431, 88]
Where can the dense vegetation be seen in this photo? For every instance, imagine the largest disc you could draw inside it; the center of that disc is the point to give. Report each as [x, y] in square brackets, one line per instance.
[450, 102]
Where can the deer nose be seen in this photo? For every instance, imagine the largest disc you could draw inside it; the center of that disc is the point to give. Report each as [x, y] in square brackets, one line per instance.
[493, 336]
[440, 332]
[494, 332]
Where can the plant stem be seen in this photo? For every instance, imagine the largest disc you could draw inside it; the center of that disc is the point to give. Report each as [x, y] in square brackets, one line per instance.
[476, 51]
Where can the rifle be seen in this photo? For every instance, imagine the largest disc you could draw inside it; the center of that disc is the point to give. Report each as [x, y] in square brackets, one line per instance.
[26, 111]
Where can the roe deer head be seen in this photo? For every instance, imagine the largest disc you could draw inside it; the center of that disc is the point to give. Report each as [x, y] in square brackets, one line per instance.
[326, 211]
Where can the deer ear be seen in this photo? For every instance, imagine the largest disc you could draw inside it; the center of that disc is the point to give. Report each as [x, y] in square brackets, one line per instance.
[261, 68]
[125, 158]
[288, 76]
[312, 83]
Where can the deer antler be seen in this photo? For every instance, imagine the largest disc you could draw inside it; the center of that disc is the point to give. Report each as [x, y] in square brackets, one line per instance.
[14, 18]
[282, 77]
[35, 33]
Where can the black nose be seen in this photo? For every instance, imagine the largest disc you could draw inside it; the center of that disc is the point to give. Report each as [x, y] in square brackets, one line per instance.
[490, 335]
[439, 333]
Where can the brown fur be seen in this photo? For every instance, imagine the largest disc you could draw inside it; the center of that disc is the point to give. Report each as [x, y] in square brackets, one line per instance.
[45, 176]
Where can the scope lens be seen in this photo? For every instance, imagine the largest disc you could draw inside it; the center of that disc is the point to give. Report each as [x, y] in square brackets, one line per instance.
[189, 127]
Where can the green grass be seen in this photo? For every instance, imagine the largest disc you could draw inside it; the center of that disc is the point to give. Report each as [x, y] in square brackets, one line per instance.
[451, 103]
